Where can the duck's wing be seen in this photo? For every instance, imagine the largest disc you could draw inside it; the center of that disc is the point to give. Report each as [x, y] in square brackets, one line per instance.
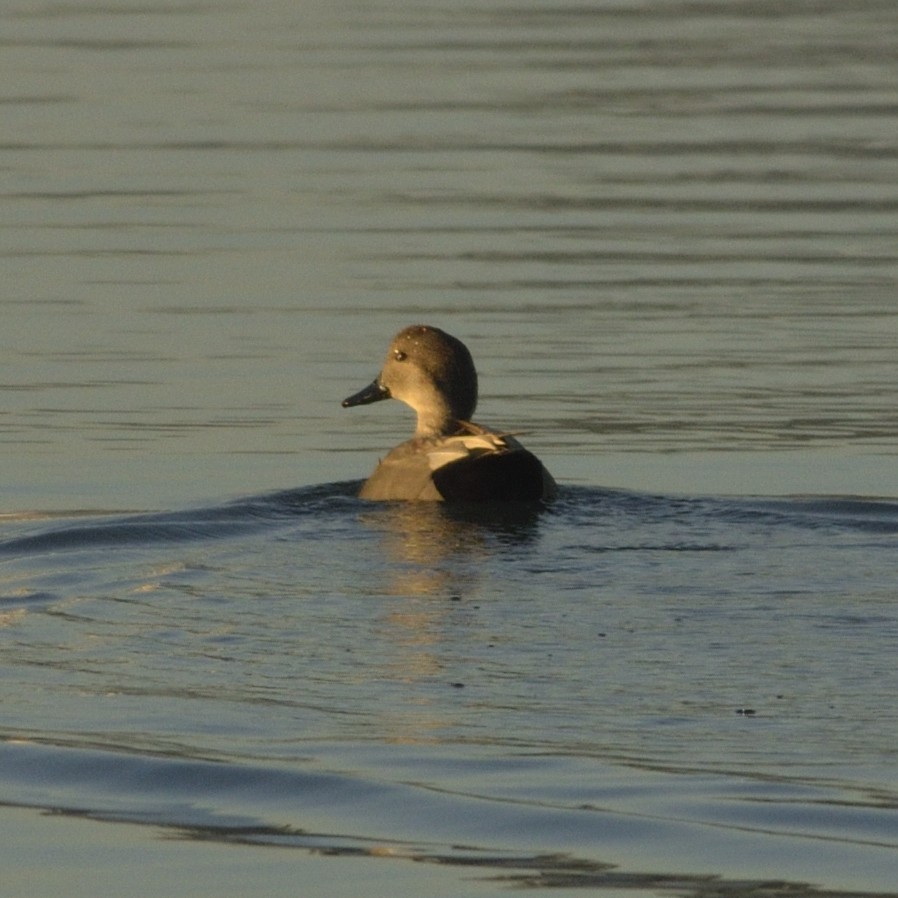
[464, 447]
[473, 466]
[489, 467]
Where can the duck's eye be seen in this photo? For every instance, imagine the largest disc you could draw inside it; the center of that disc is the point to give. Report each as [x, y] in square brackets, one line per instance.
[399, 355]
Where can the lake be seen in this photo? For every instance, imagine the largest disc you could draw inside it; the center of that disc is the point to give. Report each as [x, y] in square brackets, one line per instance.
[667, 232]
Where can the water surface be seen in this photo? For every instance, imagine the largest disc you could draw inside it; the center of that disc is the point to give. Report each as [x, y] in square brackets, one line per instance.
[666, 231]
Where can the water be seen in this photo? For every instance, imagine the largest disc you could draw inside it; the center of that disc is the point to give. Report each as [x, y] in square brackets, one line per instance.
[667, 233]
[617, 688]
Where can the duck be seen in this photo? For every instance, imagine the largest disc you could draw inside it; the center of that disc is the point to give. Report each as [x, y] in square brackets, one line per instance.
[449, 458]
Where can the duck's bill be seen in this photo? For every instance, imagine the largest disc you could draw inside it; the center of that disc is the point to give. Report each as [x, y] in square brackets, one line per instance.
[374, 392]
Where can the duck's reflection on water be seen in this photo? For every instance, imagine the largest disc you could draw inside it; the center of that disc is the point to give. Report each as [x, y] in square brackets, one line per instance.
[435, 555]
[435, 548]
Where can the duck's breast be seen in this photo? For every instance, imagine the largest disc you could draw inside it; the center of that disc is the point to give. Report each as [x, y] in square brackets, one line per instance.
[405, 474]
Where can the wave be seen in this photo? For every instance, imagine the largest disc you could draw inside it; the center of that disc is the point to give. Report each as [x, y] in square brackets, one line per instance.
[190, 680]
[547, 843]
[47, 532]
[102, 529]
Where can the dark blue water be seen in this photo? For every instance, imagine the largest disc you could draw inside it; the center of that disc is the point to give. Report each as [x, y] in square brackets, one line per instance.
[612, 688]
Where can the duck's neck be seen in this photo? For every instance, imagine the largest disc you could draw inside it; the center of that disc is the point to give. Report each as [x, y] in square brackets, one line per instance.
[436, 420]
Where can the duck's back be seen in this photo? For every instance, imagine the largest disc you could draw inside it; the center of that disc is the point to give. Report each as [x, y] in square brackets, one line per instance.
[474, 466]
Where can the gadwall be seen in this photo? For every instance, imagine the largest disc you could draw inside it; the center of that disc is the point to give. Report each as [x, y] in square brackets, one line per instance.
[449, 457]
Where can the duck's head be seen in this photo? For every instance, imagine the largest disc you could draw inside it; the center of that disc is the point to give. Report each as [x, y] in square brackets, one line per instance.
[432, 372]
